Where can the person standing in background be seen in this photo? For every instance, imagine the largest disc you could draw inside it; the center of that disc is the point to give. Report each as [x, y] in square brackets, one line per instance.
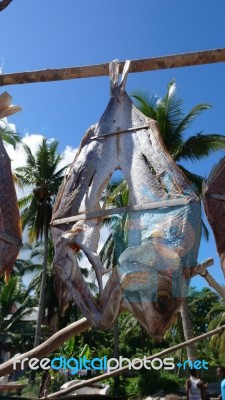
[221, 374]
[195, 387]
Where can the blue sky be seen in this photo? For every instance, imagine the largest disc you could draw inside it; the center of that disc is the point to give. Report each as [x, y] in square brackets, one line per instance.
[40, 34]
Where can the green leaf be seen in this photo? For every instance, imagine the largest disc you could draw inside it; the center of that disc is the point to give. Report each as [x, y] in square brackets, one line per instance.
[199, 146]
[85, 352]
[68, 347]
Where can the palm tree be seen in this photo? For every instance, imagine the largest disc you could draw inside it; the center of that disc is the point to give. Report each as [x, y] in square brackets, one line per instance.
[173, 123]
[116, 194]
[15, 306]
[43, 177]
[10, 137]
[216, 318]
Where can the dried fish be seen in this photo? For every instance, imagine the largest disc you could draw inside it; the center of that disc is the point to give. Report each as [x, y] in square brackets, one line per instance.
[161, 242]
[214, 205]
[10, 228]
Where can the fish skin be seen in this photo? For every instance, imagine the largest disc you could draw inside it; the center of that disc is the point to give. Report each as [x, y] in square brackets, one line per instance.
[215, 207]
[9, 212]
[151, 175]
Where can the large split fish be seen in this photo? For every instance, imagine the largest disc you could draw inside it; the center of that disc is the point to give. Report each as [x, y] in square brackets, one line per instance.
[10, 227]
[163, 222]
[214, 205]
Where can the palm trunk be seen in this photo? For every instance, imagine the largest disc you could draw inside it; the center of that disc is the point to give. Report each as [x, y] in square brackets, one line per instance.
[116, 355]
[188, 331]
[180, 362]
[43, 286]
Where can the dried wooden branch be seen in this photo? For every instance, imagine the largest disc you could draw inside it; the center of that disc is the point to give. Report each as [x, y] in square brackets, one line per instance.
[212, 282]
[148, 64]
[218, 197]
[49, 345]
[4, 4]
[126, 367]
[200, 269]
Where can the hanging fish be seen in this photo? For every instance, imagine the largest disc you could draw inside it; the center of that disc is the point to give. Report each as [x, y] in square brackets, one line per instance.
[214, 205]
[162, 220]
[10, 228]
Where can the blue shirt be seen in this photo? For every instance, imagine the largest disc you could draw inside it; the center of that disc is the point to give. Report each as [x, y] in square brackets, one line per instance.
[223, 388]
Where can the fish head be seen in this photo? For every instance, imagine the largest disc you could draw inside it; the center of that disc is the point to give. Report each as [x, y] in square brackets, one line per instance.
[153, 284]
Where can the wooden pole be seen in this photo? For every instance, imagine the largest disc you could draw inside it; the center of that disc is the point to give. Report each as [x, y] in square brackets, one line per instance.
[49, 345]
[141, 65]
[212, 282]
[126, 367]
[136, 207]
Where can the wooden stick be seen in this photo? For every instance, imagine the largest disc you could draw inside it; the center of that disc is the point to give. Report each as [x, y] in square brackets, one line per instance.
[200, 269]
[119, 210]
[49, 345]
[141, 65]
[212, 282]
[128, 130]
[218, 196]
[10, 239]
[126, 367]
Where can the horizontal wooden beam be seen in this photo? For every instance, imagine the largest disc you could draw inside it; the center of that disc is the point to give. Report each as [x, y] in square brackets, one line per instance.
[141, 65]
[10, 239]
[111, 211]
[218, 197]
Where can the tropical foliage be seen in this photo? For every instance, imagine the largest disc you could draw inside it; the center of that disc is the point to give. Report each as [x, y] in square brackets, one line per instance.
[173, 125]
[43, 175]
[16, 306]
[8, 135]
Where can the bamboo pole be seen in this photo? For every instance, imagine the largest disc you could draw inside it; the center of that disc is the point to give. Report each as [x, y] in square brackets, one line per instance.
[140, 65]
[49, 345]
[212, 282]
[200, 269]
[136, 207]
[126, 367]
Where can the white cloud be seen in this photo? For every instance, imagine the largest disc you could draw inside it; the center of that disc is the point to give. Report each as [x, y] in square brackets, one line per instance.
[4, 124]
[1, 64]
[18, 156]
[68, 156]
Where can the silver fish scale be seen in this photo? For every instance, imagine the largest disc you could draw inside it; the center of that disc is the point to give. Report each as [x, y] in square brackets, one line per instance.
[148, 278]
[10, 227]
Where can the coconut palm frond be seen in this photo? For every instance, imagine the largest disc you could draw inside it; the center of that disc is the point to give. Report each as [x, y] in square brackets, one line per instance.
[199, 146]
